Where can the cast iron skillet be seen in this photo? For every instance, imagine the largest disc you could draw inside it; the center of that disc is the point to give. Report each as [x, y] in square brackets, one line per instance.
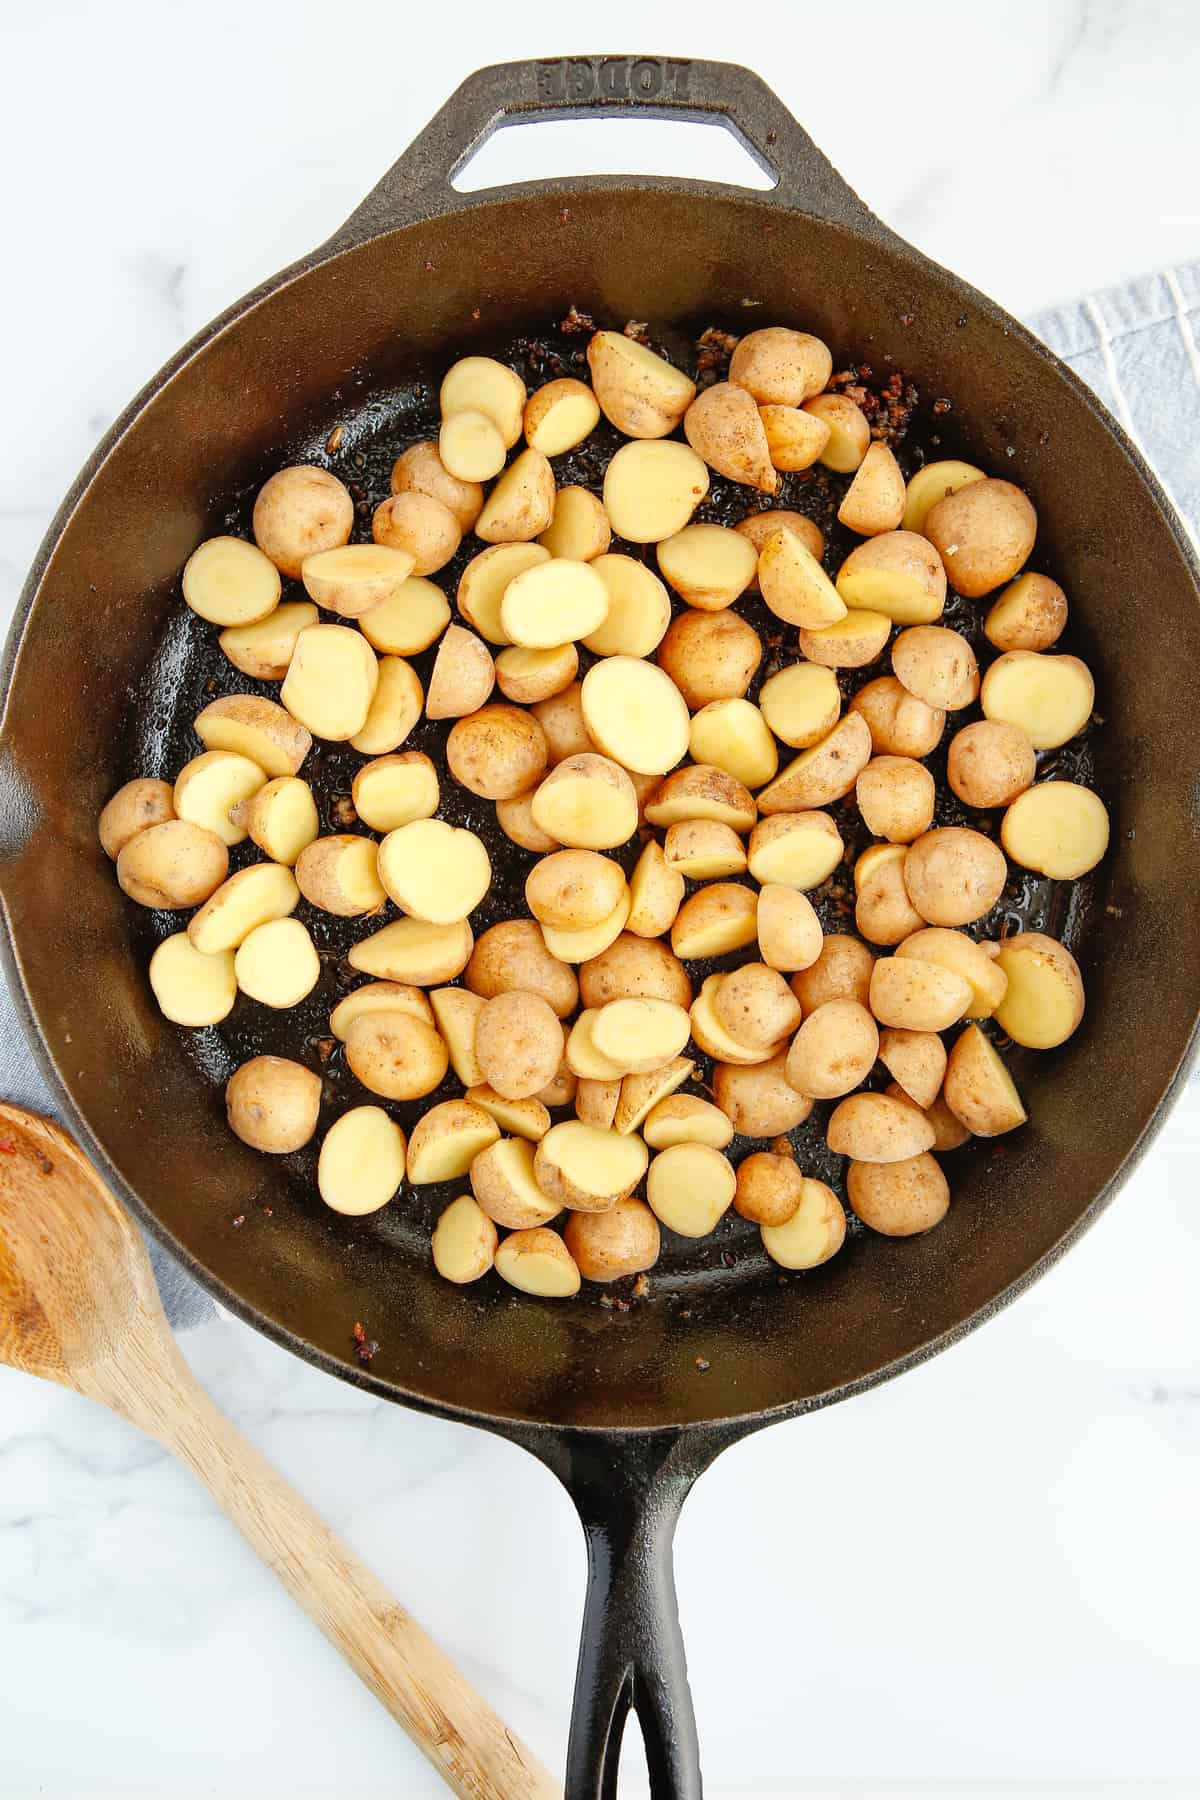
[626, 1408]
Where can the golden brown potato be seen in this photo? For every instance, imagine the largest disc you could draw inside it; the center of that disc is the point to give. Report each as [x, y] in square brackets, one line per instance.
[420, 470]
[841, 972]
[758, 1100]
[513, 955]
[795, 438]
[715, 920]
[655, 894]
[702, 849]
[1029, 615]
[538, 1262]
[899, 1199]
[849, 432]
[895, 796]
[635, 714]
[801, 704]
[883, 912]
[1049, 698]
[873, 1129]
[690, 1187]
[395, 1055]
[917, 996]
[899, 723]
[652, 489]
[133, 808]
[794, 585]
[412, 950]
[391, 791]
[272, 1104]
[515, 819]
[298, 512]
[824, 773]
[483, 583]
[340, 875]
[579, 529]
[898, 574]
[172, 866]
[573, 889]
[769, 1188]
[789, 931]
[255, 728]
[849, 643]
[687, 1119]
[419, 524]
[759, 526]
[587, 802]
[723, 426]
[521, 505]
[412, 620]
[733, 735]
[1044, 1001]
[954, 875]
[264, 650]
[559, 415]
[815, 1232]
[937, 665]
[446, 1140]
[983, 533]
[230, 582]
[192, 989]
[518, 1043]
[874, 501]
[481, 384]
[974, 962]
[497, 752]
[707, 565]
[795, 849]
[462, 678]
[586, 1168]
[833, 1051]
[640, 392]
[979, 1089]
[779, 366]
[464, 1241]
[503, 1182]
[1058, 828]
[755, 1005]
[917, 1060]
[607, 1246]
[931, 484]
[330, 683]
[990, 763]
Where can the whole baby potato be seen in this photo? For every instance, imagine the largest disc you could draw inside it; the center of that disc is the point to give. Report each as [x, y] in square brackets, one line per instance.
[954, 875]
[512, 956]
[573, 889]
[395, 1054]
[937, 665]
[899, 1199]
[298, 512]
[519, 1044]
[841, 972]
[1029, 615]
[895, 796]
[990, 763]
[634, 968]
[758, 1099]
[273, 1103]
[899, 723]
[833, 1051]
[769, 1188]
[133, 808]
[609, 1245]
[172, 866]
[497, 752]
[983, 534]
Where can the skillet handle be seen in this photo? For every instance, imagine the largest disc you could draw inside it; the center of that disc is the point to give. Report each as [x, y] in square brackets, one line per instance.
[654, 87]
[629, 1491]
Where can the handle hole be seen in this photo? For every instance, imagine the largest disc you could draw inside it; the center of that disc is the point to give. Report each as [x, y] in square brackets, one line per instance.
[574, 147]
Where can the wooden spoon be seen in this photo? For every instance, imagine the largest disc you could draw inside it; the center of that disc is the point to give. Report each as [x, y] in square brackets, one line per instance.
[79, 1305]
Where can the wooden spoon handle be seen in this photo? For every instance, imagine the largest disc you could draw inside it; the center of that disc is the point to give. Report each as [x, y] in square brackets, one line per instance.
[471, 1748]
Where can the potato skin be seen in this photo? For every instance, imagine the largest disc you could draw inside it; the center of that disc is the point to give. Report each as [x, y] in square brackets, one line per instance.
[833, 1051]
[724, 428]
[519, 1043]
[899, 1199]
[872, 1128]
[634, 968]
[937, 665]
[396, 1055]
[989, 763]
[1054, 961]
[899, 723]
[841, 972]
[769, 1188]
[895, 796]
[299, 511]
[1029, 615]
[983, 534]
[133, 808]
[273, 1103]
[978, 1089]
[512, 955]
[609, 1245]
[758, 1100]
[954, 875]
[420, 470]
[710, 656]
[172, 866]
[497, 752]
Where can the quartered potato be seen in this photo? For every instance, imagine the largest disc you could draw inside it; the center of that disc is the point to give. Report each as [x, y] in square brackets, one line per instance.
[641, 393]
[255, 728]
[1058, 828]
[979, 1089]
[795, 586]
[760, 526]
[521, 505]
[579, 529]
[655, 894]
[874, 501]
[707, 565]
[640, 1093]
[849, 433]
[456, 1012]
[527, 1117]
[724, 427]
[463, 676]
[734, 736]
[264, 650]
[330, 683]
[230, 582]
[917, 1060]
[503, 1182]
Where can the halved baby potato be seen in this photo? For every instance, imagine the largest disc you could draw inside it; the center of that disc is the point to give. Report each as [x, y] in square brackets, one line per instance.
[419, 525]
[823, 773]
[795, 439]
[264, 650]
[1058, 828]
[526, 1117]
[481, 384]
[446, 1140]
[464, 1241]
[1049, 698]
[734, 736]
[833, 1051]
[874, 501]
[521, 505]
[355, 577]
[230, 582]
[587, 802]
[255, 728]
[581, 946]
[209, 787]
[789, 931]
[420, 470]
[391, 791]
[340, 875]
[640, 1036]
[715, 920]
[712, 1038]
[457, 1011]
[280, 817]
[801, 704]
[795, 849]
[917, 996]
[434, 871]
[849, 432]
[979, 1089]
[462, 678]
[849, 643]
[413, 618]
[470, 446]
[574, 889]
[361, 1165]
[559, 415]
[251, 897]
[976, 963]
[588, 1168]
[579, 530]
[640, 1093]
[553, 603]
[898, 574]
[330, 683]
[707, 565]
[641, 393]
[690, 1188]
[191, 988]
[526, 676]
[411, 950]
[936, 481]
[686, 1119]
[504, 1184]
[1044, 1001]
[815, 1232]
[794, 585]
[483, 583]
[277, 963]
[394, 710]
[537, 1262]
[635, 713]
[702, 849]
[639, 609]
[652, 488]
[380, 996]
[702, 791]
[655, 894]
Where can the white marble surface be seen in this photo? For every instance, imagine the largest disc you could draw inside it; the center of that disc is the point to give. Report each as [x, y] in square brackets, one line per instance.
[1009, 1590]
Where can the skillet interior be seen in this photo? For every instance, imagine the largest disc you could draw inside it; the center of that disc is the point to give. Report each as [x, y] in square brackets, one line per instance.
[336, 342]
